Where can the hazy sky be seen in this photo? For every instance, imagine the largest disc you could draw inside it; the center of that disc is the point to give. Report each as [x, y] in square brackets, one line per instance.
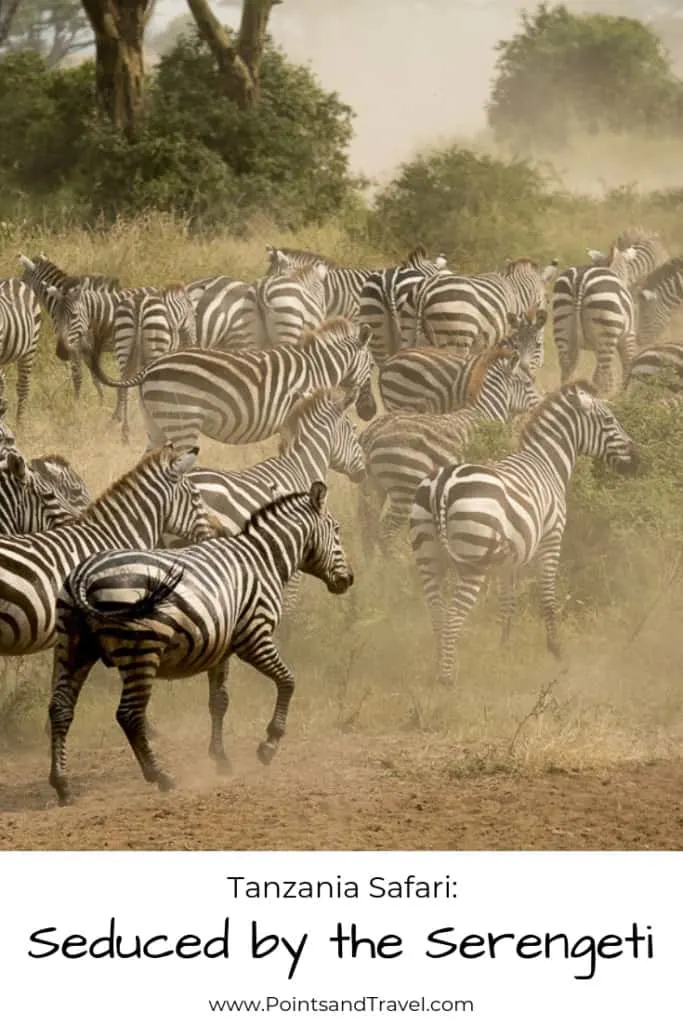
[416, 72]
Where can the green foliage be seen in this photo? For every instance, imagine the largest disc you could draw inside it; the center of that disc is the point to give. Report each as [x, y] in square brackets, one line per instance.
[624, 530]
[197, 154]
[592, 72]
[474, 208]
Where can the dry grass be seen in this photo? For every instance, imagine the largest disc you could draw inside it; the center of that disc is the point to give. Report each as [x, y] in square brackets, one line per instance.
[363, 661]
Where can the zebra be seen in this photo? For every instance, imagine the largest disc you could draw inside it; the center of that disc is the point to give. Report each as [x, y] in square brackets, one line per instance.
[402, 448]
[593, 309]
[173, 614]
[19, 329]
[659, 298]
[473, 518]
[240, 397]
[662, 364]
[461, 310]
[276, 310]
[436, 380]
[317, 435]
[40, 274]
[29, 501]
[387, 301]
[218, 310]
[148, 324]
[648, 253]
[152, 499]
[342, 286]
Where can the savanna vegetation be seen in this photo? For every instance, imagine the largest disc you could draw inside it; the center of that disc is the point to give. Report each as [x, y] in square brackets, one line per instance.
[200, 187]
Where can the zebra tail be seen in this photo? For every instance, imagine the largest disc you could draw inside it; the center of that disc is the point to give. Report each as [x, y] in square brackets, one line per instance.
[103, 376]
[158, 591]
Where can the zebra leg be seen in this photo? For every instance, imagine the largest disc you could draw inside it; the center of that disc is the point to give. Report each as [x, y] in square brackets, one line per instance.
[76, 372]
[2, 389]
[292, 591]
[370, 501]
[125, 431]
[549, 559]
[392, 522]
[74, 659]
[627, 351]
[24, 370]
[464, 599]
[507, 598]
[87, 359]
[219, 699]
[264, 656]
[131, 716]
[603, 377]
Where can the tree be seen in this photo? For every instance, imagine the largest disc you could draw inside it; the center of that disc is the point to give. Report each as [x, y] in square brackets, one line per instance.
[238, 61]
[52, 28]
[119, 27]
[8, 12]
[593, 72]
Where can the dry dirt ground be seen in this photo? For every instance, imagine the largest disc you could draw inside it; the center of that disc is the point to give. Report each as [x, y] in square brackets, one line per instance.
[345, 793]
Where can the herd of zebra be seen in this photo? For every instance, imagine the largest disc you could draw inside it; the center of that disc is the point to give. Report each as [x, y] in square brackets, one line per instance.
[176, 567]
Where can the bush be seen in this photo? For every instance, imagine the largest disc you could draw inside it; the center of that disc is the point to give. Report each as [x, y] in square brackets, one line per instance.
[197, 154]
[476, 209]
[594, 72]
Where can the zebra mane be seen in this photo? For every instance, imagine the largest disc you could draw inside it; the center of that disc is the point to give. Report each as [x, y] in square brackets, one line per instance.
[481, 368]
[515, 265]
[663, 273]
[280, 501]
[42, 461]
[314, 257]
[303, 408]
[328, 330]
[632, 235]
[306, 274]
[124, 482]
[551, 398]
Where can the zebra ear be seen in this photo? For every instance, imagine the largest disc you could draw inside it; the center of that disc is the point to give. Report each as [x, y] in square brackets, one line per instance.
[648, 295]
[26, 262]
[53, 290]
[584, 399]
[321, 269]
[441, 261]
[548, 273]
[318, 496]
[596, 256]
[541, 317]
[16, 466]
[513, 320]
[364, 335]
[183, 463]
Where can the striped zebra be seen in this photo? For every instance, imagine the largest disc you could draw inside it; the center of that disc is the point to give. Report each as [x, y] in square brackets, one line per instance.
[240, 397]
[436, 380]
[460, 310]
[40, 274]
[154, 498]
[218, 310]
[401, 449]
[170, 615]
[387, 302]
[342, 286]
[659, 298]
[19, 329]
[593, 309]
[316, 436]
[648, 253]
[30, 500]
[148, 324]
[277, 310]
[472, 519]
[661, 364]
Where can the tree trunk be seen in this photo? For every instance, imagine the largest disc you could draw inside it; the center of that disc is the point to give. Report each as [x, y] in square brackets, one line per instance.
[119, 27]
[8, 9]
[239, 61]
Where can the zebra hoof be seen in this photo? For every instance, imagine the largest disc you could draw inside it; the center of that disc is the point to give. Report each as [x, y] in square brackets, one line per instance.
[224, 766]
[165, 783]
[266, 752]
[65, 798]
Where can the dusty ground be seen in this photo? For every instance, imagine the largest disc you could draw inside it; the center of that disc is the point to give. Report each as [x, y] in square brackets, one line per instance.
[345, 793]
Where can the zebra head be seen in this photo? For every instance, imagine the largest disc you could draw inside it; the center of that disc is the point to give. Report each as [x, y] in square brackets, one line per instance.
[346, 453]
[527, 337]
[58, 473]
[32, 503]
[324, 556]
[183, 510]
[359, 378]
[598, 432]
[70, 319]
[318, 422]
[501, 386]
